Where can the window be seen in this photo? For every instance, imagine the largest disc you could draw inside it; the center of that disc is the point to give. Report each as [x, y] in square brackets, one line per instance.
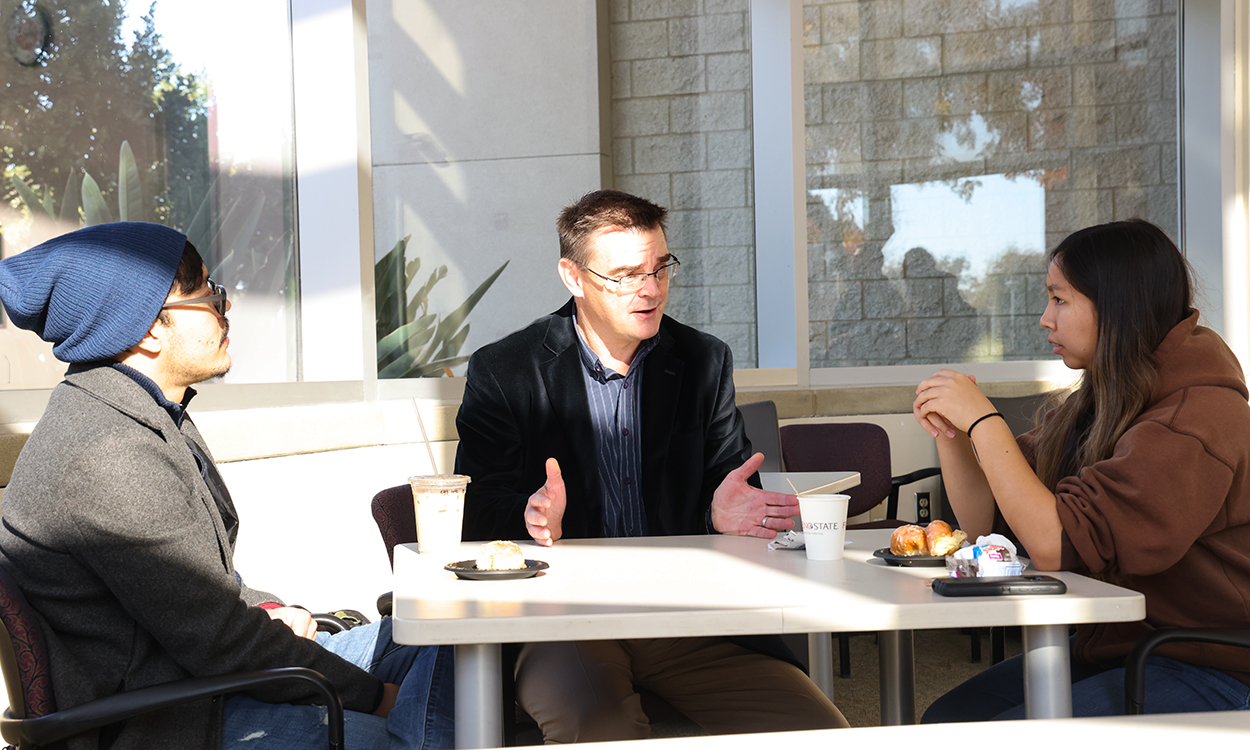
[950, 145]
[125, 111]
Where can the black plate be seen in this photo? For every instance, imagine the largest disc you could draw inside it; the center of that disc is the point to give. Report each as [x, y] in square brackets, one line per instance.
[923, 561]
[468, 569]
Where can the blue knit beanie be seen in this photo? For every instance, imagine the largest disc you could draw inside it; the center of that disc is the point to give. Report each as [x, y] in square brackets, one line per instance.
[94, 293]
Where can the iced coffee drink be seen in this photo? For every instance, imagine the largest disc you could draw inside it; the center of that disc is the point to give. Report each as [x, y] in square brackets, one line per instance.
[439, 503]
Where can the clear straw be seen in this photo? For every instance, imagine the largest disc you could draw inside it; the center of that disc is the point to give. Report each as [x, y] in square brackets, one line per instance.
[425, 437]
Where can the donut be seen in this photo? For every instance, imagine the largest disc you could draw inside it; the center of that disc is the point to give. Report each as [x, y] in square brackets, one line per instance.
[941, 540]
[908, 541]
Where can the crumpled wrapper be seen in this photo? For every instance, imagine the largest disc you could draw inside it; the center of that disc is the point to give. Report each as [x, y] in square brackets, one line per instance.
[790, 540]
[992, 555]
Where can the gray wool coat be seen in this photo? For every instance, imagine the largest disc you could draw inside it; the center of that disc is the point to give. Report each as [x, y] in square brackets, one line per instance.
[117, 543]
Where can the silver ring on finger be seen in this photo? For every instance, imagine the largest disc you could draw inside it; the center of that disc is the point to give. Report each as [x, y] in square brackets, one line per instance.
[764, 523]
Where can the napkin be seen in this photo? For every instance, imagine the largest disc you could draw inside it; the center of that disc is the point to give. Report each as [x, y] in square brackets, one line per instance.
[790, 540]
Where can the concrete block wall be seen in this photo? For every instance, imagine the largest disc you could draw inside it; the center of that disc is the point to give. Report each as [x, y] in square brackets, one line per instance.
[1077, 95]
[681, 136]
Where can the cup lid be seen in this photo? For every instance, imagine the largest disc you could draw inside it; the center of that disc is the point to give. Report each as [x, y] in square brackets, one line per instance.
[440, 481]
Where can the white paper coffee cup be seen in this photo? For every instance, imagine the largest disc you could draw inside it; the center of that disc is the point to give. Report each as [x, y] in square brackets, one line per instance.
[824, 525]
[439, 505]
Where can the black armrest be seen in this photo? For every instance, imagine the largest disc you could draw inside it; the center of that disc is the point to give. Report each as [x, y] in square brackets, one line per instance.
[915, 476]
[328, 623]
[891, 508]
[339, 620]
[385, 603]
[55, 727]
[1135, 664]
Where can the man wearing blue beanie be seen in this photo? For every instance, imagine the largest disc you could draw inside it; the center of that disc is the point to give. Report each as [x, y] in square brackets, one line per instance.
[120, 531]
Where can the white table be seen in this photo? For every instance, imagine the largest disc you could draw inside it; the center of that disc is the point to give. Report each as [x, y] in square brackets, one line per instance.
[656, 587]
[1212, 729]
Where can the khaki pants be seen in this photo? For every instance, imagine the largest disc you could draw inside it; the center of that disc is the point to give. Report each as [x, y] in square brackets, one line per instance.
[583, 691]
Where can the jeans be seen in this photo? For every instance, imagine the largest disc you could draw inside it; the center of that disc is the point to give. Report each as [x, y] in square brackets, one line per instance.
[1097, 690]
[423, 716]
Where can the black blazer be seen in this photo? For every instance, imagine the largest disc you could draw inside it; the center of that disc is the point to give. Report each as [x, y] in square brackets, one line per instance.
[525, 400]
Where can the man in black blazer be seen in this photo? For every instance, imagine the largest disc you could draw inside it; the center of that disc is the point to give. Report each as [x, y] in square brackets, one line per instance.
[607, 418]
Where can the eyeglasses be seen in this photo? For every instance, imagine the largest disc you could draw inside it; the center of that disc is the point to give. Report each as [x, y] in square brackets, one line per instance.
[635, 281]
[218, 298]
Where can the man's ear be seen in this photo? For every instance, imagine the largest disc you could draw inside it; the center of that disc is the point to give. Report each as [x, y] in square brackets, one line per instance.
[569, 274]
[152, 342]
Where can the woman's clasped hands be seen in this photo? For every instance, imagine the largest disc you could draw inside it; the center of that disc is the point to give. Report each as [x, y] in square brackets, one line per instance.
[949, 401]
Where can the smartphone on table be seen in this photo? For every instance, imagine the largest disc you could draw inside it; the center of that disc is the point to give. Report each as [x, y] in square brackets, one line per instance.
[999, 585]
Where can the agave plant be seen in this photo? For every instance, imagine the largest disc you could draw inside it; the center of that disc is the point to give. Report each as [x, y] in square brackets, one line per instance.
[412, 341]
[88, 196]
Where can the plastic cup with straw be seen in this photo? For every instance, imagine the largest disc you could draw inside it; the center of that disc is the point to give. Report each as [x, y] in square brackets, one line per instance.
[438, 502]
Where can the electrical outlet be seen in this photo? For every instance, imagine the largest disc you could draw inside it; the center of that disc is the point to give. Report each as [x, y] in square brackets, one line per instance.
[924, 509]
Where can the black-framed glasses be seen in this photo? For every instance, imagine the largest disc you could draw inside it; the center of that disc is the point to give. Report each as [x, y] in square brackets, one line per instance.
[218, 298]
[635, 281]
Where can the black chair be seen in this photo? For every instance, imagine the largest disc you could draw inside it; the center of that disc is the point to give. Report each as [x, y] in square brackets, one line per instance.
[1135, 664]
[851, 446]
[1020, 412]
[862, 447]
[763, 432]
[32, 719]
[396, 517]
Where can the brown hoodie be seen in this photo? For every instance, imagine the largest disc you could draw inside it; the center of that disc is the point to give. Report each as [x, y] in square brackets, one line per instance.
[1169, 513]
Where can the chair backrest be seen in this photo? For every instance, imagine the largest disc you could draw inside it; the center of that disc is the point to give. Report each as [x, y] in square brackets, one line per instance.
[23, 654]
[1020, 411]
[852, 446]
[761, 426]
[396, 517]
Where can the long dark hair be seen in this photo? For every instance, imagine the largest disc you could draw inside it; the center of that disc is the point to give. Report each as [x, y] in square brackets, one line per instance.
[1140, 286]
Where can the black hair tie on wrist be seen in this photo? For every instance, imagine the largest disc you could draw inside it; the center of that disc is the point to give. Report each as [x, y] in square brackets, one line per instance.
[982, 419]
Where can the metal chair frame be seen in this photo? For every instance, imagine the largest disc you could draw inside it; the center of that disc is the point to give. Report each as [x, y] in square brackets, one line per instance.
[1135, 663]
[29, 723]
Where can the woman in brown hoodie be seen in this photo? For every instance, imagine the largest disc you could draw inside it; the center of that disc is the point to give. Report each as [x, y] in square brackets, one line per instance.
[1140, 476]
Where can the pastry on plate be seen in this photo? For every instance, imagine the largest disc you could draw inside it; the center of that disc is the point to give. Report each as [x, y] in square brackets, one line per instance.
[500, 556]
[942, 540]
[908, 541]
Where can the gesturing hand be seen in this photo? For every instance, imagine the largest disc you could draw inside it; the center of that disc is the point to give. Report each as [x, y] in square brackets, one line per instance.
[738, 508]
[545, 509]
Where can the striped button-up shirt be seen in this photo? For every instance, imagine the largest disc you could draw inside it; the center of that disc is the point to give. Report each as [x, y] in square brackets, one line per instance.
[616, 416]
